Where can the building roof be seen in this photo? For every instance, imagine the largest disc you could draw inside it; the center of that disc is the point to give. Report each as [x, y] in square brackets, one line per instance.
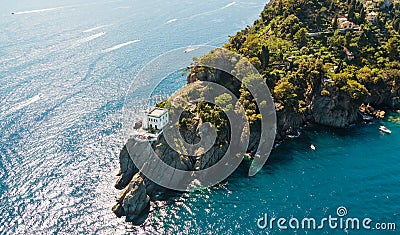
[157, 112]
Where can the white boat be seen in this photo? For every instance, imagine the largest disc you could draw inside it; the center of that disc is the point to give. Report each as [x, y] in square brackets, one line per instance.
[313, 147]
[385, 130]
[295, 136]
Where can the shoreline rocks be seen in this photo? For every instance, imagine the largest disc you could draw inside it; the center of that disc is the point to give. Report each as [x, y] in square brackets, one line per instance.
[369, 110]
[138, 191]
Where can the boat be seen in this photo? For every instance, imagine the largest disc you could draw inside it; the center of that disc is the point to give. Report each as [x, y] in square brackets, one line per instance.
[297, 135]
[385, 130]
[313, 147]
[277, 145]
[366, 118]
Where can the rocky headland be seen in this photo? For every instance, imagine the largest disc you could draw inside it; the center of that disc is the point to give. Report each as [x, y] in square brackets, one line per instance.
[304, 57]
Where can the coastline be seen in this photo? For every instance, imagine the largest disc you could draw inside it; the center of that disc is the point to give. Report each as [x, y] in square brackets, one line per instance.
[338, 109]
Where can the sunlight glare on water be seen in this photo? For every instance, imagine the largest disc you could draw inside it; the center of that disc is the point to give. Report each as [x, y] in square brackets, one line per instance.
[65, 67]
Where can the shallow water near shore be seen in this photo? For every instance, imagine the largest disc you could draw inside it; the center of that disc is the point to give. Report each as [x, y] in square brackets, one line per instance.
[64, 70]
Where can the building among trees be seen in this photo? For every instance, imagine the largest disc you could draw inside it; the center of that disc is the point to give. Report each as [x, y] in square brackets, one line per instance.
[344, 24]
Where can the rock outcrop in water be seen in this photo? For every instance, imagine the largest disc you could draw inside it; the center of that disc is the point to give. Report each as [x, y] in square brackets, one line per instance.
[137, 189]
[133, 200]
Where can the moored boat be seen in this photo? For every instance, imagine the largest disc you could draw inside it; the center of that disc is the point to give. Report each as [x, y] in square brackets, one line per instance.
[385, 130]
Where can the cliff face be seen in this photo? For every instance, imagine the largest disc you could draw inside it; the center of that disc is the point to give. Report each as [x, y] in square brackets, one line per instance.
[336, 111]
[137, 188]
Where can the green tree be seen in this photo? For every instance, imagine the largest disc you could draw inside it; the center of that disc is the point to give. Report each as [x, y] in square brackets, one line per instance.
[247, 99]
[392, 47]
[318, 20]
[348, 37]
[396, 24]
[361, 20]
[264, 56]
[301, 37]
[351, 11]
[285, 93]
[224, 101]
[355, 90]
[335, 23]
[332, 6]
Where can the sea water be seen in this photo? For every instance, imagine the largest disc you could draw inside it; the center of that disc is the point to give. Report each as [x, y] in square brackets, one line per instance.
[65, 67]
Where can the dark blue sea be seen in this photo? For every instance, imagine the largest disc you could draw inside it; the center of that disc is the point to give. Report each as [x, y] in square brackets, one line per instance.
[65, 67]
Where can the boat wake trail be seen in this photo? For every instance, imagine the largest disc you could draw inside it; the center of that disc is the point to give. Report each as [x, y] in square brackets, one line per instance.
[96, 28]
[120, 46]
[23, 104]
[118, 8]
[90, 38]
[171, 21]
[229, 5]
[213, 11]
[38, 11]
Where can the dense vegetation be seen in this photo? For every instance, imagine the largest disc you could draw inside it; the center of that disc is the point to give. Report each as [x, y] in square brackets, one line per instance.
[298, 44]
[280, 46]
[306, 53]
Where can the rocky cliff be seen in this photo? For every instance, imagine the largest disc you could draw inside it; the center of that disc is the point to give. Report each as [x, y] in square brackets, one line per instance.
[310, 78]
[137, 190]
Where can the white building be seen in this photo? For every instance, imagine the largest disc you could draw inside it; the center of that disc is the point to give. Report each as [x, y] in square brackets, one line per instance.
[155, 118]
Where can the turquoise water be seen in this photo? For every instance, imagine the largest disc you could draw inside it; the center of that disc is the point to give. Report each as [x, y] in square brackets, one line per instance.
[64, 70]
[357, 168]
